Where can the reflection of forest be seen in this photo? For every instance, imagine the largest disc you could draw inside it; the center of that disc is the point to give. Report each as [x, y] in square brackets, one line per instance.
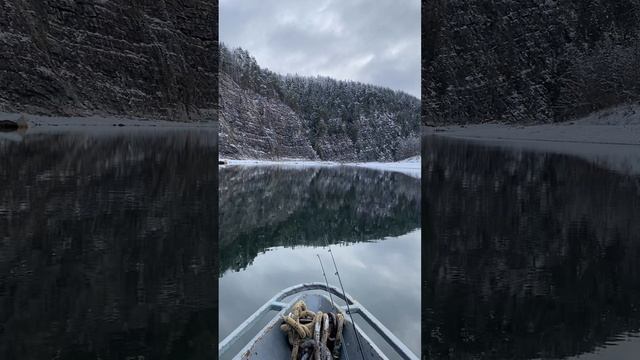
[263, 207]
[108, 246]
[527, 254]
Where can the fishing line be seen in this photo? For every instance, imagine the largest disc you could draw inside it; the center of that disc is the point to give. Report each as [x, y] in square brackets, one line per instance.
[347, 302]
[326, 281]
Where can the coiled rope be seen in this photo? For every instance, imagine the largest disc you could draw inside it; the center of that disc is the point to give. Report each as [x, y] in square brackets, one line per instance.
[313, 336]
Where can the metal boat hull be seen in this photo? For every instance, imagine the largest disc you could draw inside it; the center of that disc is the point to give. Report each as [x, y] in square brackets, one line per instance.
[271, 342]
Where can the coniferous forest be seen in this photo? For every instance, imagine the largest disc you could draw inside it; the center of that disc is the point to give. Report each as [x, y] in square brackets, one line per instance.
[270, 115]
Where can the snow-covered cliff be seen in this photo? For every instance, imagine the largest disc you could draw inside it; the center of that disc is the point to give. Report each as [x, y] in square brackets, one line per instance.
[528, 61]
[265, 115]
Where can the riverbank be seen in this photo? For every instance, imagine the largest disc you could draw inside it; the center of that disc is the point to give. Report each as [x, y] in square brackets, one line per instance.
[617, 126]
[410, 166]
[43, 121]
[610, 138]
[93, 125]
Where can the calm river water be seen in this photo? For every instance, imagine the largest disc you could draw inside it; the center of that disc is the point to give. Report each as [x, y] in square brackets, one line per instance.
[107, 244]
[530, 253]
[274, 220]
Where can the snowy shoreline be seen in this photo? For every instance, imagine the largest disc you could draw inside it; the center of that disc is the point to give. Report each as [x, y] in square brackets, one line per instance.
[410, 166]
[609, 138]
[616, 126]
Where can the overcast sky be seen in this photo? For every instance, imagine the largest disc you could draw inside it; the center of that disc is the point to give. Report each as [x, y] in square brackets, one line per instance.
[372, 41]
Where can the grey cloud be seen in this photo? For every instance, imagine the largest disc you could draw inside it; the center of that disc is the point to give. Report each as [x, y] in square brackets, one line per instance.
[374, 42]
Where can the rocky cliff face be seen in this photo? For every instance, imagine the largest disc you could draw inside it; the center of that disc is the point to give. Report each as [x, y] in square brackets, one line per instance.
[528, 61]
[270, 116]
[255, 126]
[145, 58]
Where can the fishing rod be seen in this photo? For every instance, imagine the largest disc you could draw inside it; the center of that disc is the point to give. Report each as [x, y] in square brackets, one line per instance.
[344, 294]
[326, 281]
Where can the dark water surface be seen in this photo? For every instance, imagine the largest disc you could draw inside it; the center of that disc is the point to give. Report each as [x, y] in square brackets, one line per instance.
[529, 254]
[107, 245]
[274, 220]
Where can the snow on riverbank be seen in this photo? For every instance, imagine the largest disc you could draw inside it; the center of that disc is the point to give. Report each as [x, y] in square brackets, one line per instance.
[617, 126]
[609, 138]
[283, 162]
[410, 167]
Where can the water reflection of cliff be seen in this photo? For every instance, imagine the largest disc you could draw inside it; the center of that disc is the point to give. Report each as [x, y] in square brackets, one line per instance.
[527, 254]
[264, 207]
[108, 246]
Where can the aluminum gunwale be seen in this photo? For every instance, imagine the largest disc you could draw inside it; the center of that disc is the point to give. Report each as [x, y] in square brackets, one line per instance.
[276, 303]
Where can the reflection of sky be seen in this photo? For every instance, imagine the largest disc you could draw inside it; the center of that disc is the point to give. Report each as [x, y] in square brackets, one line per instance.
[384, 276]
